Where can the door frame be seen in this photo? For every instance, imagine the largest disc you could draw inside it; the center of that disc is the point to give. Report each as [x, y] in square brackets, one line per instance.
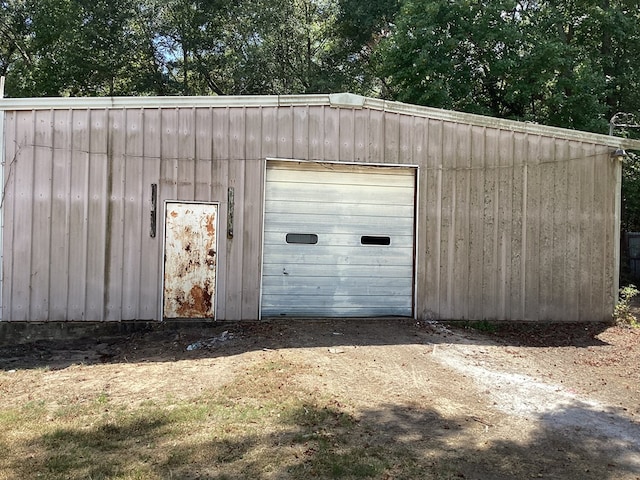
[163, 250]
[416, 216]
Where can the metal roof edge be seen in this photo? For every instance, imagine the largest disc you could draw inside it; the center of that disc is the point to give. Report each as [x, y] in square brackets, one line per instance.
[62, 103]
[337, 100]
[500, 123]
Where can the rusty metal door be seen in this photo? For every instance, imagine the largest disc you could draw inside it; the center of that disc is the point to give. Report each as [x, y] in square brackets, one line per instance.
[190, 259]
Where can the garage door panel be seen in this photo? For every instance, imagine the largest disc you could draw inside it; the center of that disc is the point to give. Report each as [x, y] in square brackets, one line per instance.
[350, 248]
[278, 281]
[334, 271]
[387, 177]
[312, 208]
[336, 301]
[275, 239]
[338, 225]
[339, 312]
[339, 290]
[335, 194]
[395, 258]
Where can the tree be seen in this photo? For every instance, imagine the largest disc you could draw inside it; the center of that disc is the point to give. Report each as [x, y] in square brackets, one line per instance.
[570, 64]
[77, 47]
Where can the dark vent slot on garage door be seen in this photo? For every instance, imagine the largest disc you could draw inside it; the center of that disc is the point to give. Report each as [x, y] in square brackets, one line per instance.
[304, 238]
[371, 240]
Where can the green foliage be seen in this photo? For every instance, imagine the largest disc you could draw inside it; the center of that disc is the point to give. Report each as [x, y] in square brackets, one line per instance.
[622, 313]
[570, 64]
[189, 47]
[631, 193]
[482, 326]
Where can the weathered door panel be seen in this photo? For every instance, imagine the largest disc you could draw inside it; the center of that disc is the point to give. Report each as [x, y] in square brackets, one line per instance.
[190, 258]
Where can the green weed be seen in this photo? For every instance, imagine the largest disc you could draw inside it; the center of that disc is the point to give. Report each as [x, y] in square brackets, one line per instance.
[622, 312]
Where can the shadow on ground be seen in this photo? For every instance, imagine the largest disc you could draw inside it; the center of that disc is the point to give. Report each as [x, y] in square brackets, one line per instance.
[175, 342]
[316, 441]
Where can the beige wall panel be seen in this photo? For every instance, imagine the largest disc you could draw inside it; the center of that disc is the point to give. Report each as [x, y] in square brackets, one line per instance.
[331, 149]
[79, 207]
[284, 131]
[592, 247]
[504, 215]
[448, 219]
[560, 207]
[203, 135]
[419, 154]
[406, 140]
[133, 201]
[150, 260]
[202, 156]
[114, 250]
[36, 215]
[151, 247]
[97, 229]
[532, 197]
[186, 154]
[601, 256]
[152, 132]
[236, 243]
[515, 295]
[269, 132]
[586, 303]
[252, 237]
[22, 171]
[431, 215]
[60, 227]
[376, 135]
[476, 222]
[220, 183]
[361, 135]
[613, 174]
[220, 134]
[572, 268]
[545, 266]
[316, 133]
[346, 135]
[392, 138]
[490, 285]
[424, 309]
[462, 239]
[10, 157]
[300, 132]
[167, 189]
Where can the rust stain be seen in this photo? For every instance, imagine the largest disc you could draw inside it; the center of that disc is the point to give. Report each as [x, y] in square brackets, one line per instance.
[211, 229]
[174, 214]
[197, 304]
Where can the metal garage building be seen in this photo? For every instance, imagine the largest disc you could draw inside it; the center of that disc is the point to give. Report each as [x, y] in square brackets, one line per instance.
[322, 205]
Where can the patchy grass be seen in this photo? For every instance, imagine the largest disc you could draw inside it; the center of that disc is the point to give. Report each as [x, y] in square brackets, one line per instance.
[262, 425]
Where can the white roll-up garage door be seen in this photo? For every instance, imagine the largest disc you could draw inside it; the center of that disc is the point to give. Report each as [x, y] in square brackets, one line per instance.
[338, 240]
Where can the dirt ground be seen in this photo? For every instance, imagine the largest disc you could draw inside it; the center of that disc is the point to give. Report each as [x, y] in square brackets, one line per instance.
[534, 401]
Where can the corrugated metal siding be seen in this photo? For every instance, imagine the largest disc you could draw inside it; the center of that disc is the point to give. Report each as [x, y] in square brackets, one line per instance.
[511, 225]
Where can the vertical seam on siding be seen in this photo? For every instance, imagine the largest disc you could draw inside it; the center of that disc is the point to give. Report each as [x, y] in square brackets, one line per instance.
[87, 201]
[67, 214]
[108, 216]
